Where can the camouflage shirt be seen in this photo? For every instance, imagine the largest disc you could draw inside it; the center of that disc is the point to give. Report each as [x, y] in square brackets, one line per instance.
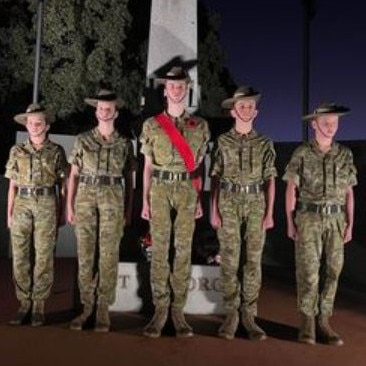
[156, 143]
[95, 156]
[243, 159]
[321, 177]
[36, 168]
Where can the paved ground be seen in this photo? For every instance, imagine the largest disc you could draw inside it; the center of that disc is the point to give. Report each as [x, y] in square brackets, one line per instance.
[54, 344]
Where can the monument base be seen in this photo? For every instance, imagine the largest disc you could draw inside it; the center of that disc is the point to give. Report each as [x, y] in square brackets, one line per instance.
[133, 289]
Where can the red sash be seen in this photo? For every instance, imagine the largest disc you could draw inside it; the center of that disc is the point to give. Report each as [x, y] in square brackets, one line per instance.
[181, 145]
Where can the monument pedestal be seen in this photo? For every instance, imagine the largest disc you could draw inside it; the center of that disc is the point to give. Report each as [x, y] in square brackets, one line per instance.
[133, 289]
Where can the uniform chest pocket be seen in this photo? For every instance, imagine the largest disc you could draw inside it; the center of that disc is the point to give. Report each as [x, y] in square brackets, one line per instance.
[24, 164]
[117, 159]
[232, 160]
[312, 175]
[91, 157]
[341, 175]
[163, 149]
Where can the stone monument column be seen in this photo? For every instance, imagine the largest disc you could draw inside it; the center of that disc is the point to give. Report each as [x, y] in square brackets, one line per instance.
[172, 40]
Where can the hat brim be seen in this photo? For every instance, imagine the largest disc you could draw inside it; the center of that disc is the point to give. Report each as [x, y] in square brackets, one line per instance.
[161, 81]
[230, 102]
[94, 101]
[22, 117]
[312, 116]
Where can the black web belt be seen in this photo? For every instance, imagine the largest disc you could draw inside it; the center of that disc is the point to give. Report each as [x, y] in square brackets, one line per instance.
[167, 175]
[325, 209]
[254, 188]
[36, 191]
[105, 180]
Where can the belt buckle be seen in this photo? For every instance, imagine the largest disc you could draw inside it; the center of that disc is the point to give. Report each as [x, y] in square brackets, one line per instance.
[174, 176]
[244, 189]
[326, 209]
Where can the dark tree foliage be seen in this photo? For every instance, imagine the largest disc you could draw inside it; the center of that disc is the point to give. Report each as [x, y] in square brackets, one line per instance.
[87, 44]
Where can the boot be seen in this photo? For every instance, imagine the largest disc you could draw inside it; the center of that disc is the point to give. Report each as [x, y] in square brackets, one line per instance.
[22, 313]
[307, 329]
[327, 333]
[38, 317]
[156, 324]
[229, 326]
[255, 333]
[78, 322]
[182, 328]
[102, 322]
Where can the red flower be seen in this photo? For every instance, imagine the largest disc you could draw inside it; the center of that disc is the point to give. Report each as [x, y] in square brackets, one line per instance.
[191, 123]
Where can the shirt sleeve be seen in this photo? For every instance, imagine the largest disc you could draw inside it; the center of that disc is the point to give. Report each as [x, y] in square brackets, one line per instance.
[352, 170]
[206, 138]
[217, 164]
[269, 168]
[76, 155]
[292, 170]
[146, 139]
[11, 168]
[62, 165]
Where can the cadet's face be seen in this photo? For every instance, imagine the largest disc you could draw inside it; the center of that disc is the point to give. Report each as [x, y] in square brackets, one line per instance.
[326, 125]
[36, 125]
[176, 90]
[245, 110]
[106, 111]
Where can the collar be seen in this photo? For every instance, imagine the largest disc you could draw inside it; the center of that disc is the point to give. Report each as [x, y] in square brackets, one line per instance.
[98, 136]
[29, 146]
[334, 147]
[249, 136]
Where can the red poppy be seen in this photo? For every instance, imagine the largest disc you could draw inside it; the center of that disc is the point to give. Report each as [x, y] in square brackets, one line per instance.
[191, 123]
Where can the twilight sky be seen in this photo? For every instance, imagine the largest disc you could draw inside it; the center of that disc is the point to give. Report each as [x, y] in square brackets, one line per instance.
[262, 41]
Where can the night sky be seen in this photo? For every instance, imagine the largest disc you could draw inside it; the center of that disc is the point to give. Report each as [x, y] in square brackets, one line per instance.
[263, 44]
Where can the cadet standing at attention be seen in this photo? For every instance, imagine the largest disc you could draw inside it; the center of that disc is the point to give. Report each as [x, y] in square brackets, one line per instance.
[37, 170]
[100, 180]
[243, 192]
[319, 207]
[174, 144]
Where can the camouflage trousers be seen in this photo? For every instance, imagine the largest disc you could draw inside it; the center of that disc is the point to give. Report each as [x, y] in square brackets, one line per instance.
[318, 235]
[33, 237]
[99, 229]
[182, 197]
[241, 271]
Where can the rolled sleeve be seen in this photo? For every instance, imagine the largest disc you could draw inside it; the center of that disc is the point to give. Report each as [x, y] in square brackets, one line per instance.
[217, 163]
[146, 140]
[76, 155]
[269, 168]
[292, 171]
[11, 168]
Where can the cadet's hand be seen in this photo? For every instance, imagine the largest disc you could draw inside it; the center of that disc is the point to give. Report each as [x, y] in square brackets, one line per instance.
[71, 219]
[145, 213]
[216, 220]
[268, 222]
[10, 219]
[199, 211]
[347, 236]
[291, 230]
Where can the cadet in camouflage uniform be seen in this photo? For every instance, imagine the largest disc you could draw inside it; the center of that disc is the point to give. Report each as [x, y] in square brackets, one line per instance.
[37, 170]
[319, 208]
[100, 160]
[243, 189]
[167, 187]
